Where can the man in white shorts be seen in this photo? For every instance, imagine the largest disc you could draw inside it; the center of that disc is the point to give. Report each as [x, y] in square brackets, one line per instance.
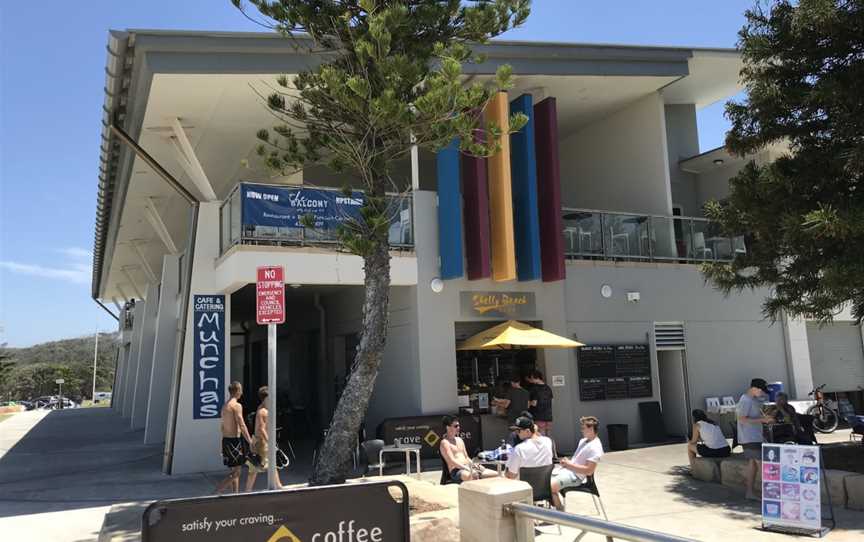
[535, 450]
[576, 470]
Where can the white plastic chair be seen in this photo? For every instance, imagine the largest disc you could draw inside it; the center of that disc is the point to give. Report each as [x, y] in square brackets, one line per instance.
[616, 236]
[699, 246]
[712, 404]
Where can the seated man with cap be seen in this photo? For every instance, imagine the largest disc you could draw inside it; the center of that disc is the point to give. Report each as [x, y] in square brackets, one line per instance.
[535, 450]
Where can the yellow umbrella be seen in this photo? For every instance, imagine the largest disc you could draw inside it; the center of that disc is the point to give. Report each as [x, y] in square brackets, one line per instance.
[513, 334]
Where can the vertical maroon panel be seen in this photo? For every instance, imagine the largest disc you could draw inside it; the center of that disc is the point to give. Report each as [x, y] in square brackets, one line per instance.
[549, 190]
[475, 209]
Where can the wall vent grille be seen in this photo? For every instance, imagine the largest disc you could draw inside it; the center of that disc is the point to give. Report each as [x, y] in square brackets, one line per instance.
[669, 336]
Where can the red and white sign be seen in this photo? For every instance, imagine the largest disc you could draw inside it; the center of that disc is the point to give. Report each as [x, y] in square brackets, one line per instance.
[270, 295]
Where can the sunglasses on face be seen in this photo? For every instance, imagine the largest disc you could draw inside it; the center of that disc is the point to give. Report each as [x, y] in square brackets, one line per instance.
[456, 425]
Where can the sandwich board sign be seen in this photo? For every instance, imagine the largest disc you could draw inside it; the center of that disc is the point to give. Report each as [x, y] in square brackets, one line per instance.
[270, 295]
[791, 479]
[370, 512]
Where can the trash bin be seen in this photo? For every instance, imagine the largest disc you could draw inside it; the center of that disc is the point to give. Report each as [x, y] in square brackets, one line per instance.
[617, 436]
[773, 389]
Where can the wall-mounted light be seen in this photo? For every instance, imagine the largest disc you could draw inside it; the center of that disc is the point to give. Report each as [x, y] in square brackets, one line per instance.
[437, 285]
[606, 291]
[718, 161]
[295, 286]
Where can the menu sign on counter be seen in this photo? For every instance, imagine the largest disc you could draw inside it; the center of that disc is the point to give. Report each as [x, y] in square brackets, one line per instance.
[607, 372]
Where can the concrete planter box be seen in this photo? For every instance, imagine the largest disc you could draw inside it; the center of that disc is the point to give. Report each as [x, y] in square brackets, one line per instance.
[835, 481]
[733, 474]
[706, 469]
[854, 486]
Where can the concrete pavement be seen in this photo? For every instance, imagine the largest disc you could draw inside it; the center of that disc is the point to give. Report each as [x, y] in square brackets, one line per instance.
[651, 488]
[60, 472]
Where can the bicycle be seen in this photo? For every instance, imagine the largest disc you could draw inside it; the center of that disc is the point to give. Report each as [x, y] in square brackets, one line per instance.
[824, 412]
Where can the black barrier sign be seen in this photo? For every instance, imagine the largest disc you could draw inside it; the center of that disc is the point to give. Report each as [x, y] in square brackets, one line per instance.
[426, 431]
[363, 512]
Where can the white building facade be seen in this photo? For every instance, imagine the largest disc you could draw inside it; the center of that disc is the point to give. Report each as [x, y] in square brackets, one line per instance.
[174, 227]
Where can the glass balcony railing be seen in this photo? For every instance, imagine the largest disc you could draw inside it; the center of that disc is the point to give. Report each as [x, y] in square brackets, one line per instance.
[237, 229]
[604, 235]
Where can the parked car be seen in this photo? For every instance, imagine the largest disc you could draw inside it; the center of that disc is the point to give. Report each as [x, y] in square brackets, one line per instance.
[102, 396]
[55, 404]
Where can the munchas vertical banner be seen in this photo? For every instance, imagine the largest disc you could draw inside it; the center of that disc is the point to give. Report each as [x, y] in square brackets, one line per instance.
[790, 487]
[208, 373]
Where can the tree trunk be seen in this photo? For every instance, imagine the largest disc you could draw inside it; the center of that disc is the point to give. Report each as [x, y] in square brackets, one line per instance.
[333, 460]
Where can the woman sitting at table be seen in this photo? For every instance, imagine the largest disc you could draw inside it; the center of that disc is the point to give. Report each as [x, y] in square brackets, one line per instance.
[713, 443]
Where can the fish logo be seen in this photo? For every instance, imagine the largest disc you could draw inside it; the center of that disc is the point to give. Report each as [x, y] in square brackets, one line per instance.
[283, 534]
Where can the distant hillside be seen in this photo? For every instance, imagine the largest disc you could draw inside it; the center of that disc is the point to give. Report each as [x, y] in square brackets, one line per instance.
[31, 372]
[66, 351]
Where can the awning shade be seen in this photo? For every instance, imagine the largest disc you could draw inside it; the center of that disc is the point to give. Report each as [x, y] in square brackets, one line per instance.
[513, 334]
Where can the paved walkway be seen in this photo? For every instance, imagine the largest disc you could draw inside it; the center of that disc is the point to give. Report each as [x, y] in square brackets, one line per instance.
[60, 472]
[652, 488]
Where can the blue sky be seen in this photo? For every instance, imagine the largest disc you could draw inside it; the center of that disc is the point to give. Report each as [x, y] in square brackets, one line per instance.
[51, 80]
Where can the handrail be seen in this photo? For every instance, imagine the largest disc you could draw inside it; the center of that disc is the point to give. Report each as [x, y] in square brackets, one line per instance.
[607, 528]
[630, 213]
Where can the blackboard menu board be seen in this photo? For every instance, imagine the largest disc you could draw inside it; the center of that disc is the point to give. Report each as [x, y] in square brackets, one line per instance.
[621, 371]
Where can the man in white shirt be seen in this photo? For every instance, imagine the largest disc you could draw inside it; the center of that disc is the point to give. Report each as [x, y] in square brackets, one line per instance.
[576, 470]
[535, 450]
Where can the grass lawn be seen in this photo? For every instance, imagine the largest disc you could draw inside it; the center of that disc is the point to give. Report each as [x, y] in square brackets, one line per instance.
[91, 404]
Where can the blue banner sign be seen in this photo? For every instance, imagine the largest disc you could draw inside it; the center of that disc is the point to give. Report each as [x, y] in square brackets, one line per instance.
[283, 207]
[208, 374]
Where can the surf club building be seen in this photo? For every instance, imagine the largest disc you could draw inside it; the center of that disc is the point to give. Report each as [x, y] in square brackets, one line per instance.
[588, 224]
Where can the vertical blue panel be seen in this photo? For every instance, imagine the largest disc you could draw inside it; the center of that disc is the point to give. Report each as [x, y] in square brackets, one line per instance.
[523, 167]
[449, 212]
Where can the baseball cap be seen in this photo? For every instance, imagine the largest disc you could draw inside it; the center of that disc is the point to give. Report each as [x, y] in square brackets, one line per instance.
[759, 383]
[522, 422]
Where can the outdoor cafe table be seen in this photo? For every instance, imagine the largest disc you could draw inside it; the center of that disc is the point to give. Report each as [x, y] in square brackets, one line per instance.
[406, 449]
[499, 465]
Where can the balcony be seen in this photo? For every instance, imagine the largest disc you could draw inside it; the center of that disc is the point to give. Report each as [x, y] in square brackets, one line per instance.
[238, 229]
[603, 235]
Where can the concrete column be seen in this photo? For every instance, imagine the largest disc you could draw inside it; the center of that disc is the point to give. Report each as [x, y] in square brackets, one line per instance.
[481, 511]
[436, 337]
[164, 345]
[131, 371]
[117, 391]
[196, 442]
[145, 359]
[797, 358]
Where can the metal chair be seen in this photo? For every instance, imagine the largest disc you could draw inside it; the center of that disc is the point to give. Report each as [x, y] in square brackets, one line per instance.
[370, 456]
[590, 487]
[540, 480]
[445, 475]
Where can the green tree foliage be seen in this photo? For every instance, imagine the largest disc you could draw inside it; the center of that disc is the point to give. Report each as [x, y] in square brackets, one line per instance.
[390, 74]
[804, 213]
[31, 372]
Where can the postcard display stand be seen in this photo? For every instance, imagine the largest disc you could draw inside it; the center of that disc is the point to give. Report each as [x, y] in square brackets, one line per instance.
[791, 479]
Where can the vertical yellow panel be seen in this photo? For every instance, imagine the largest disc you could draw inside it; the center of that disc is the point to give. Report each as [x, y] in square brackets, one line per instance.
[501, 195]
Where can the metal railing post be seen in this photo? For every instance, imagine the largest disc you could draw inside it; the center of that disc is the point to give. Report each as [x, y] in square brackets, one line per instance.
[649, 237]
[603, 235]
[610, 529]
